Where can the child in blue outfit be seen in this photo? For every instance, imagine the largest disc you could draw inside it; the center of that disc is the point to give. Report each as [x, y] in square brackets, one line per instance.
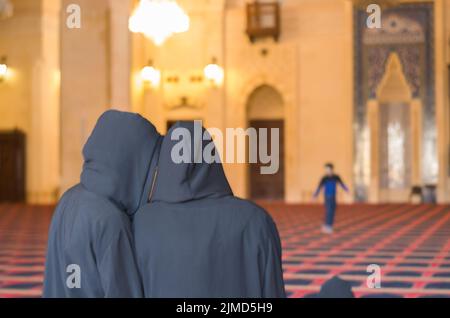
[329, 182]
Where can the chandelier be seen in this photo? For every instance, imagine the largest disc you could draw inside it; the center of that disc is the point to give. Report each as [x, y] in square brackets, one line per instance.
[158, 20]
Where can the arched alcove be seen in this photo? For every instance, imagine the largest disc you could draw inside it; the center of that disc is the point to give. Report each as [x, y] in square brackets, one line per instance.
[394, 86]
[265, 109]
[265, 102]
[395, 125]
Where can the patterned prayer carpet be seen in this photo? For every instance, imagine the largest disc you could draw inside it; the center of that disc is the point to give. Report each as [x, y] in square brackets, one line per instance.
[23, 241]
[411, 244]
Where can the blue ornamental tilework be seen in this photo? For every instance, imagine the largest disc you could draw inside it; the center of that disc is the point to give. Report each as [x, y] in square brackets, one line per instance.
[407, 30]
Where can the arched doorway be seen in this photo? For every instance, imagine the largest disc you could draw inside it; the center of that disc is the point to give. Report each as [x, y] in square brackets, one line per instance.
[265, 109]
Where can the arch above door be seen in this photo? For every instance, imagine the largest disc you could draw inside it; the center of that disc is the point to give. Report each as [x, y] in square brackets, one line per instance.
[265, 102]
[265, 110]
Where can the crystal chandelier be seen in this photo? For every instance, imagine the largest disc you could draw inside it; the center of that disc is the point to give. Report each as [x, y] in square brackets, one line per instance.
[158, 20]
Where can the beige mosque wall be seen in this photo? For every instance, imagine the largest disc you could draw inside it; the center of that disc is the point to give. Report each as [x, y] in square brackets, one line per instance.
[29, 98]
[326, 92]
[15, 92]
[248, 67]
[120, 53]
[442, 57]
[311, 67]
[85, 83]
[182, 57]
[45, 117]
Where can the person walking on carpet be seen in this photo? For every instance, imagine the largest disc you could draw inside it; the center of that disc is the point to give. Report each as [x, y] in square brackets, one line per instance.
[329, 183]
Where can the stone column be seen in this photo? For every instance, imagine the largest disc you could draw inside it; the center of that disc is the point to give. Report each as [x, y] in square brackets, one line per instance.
[120, 50]
[44, 138]
[85, 82]
[373, 123]
[442, 114]
[416, 140]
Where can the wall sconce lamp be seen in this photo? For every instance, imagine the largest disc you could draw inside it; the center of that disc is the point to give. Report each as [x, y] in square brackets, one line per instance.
[3, 69]
[150, 75]
[214, 73]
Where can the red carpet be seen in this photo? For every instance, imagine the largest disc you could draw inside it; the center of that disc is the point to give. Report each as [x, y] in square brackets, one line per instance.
[410, 243]
[23, 241]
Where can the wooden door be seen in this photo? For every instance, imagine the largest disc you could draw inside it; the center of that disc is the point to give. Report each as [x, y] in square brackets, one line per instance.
[12, 167]
[268, 187]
